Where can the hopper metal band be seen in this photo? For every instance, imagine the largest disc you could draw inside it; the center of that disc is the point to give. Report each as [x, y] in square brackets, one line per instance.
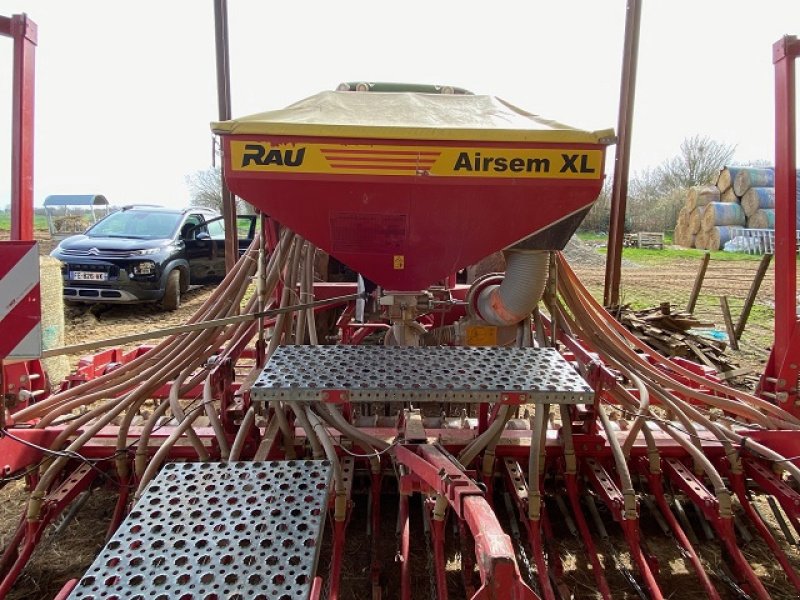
[436, 374]
[221, 530]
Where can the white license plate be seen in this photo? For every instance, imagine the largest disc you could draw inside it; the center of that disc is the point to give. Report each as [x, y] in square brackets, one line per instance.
[89, 276]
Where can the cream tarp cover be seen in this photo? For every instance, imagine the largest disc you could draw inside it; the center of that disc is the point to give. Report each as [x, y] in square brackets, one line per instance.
[406, 115]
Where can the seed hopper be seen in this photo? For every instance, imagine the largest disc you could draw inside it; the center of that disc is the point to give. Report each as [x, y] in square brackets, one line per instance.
[485, 416]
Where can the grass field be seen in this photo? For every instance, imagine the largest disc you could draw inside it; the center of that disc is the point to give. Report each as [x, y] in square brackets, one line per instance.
[39, 221]
[652, 256]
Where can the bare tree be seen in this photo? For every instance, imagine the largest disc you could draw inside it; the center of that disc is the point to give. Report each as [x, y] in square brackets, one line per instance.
[700, 159]
[205, 189]
[600, 214]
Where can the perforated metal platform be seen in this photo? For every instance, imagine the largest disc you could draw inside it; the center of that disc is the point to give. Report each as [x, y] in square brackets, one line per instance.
[387, 373]
[246, 530]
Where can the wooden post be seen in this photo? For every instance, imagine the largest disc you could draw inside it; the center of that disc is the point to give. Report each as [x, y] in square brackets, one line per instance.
[698, 283]
[726, 314]
[751, 295]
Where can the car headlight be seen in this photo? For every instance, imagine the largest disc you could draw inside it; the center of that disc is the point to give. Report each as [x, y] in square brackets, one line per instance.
[144, 268]
[145, 251]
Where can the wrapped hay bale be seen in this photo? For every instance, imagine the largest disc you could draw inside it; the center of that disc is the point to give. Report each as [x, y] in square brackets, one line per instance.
[695, 221]
[728, 196]
[52, 294]
[680, 235]
[757, 198]
[700, 195]
[722, 213]
[762, 219]
[683, 217]
[726, 177]
[689, 202]
[752, 177]
[719, 236]
[701, 239]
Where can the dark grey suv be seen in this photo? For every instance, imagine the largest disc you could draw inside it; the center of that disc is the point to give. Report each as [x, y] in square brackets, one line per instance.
[147, 254]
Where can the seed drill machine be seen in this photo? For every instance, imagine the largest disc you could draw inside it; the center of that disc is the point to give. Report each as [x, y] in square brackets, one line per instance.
[465, 421]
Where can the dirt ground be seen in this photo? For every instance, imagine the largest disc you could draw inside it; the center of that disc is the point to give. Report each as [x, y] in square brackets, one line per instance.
[69, 552]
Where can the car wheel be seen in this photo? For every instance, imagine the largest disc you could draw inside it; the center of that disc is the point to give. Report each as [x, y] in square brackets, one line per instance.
[172, 295]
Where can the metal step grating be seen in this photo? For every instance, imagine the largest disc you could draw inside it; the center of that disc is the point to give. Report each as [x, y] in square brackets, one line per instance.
[439, 374]
[217, 531]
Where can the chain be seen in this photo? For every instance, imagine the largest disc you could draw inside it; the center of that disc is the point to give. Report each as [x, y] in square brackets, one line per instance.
[527, 570]
[426, 524]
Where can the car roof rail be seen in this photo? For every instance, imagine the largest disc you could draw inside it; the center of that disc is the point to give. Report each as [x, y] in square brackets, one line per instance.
[130, 206]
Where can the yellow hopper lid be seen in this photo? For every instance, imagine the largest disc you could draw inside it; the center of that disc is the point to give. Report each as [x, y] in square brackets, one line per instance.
[406, 115]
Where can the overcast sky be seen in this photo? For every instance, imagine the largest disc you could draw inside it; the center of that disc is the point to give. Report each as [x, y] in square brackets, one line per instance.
[125, 91]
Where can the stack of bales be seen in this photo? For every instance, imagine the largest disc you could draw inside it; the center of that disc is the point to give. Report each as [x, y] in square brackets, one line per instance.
[741, 197]
[708, 216]
[756, 188]
[689, 225]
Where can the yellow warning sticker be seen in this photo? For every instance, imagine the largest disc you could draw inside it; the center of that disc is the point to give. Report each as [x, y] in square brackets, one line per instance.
[399, 262]
[481, 335]
[439, 161]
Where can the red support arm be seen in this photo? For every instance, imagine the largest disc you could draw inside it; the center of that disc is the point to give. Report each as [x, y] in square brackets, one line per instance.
[493, 549]
[24, 33]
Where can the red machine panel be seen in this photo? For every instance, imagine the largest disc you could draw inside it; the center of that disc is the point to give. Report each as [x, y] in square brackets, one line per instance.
[408, 213]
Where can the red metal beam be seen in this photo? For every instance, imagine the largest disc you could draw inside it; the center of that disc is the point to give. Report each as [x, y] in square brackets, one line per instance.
[24, 33]
[783, 364]
[619, 192]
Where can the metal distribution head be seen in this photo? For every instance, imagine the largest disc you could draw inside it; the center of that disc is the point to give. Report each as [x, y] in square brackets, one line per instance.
[407, 187]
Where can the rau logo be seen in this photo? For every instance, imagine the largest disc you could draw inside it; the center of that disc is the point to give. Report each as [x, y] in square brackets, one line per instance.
[264, 156]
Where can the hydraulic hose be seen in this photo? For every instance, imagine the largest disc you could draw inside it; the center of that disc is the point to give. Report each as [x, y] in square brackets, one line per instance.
[213, 418]
[241, 435]
[538, 437]
[340, 503]
[469, 453]
[299, 410]
[570, 286]
[163, 451]
[142, 450]
[177, 411]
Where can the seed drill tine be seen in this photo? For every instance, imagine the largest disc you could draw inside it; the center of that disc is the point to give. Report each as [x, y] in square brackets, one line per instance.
[703, 523]
[685, 524]
[738, 483]
[71, 513]
[795, 523]
[653, 509]
[525, 565]
[776, 511]
[369, 513]
[726, 578]
[544, 559]
[571, 482]
[687, 550]
[601, 528]
[374, 522]
[695, 489]
[435, 591]
[556, 567]
[562, 507]
[741, 527]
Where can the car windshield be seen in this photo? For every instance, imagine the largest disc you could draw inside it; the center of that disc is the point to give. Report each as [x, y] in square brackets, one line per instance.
[140, 224]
